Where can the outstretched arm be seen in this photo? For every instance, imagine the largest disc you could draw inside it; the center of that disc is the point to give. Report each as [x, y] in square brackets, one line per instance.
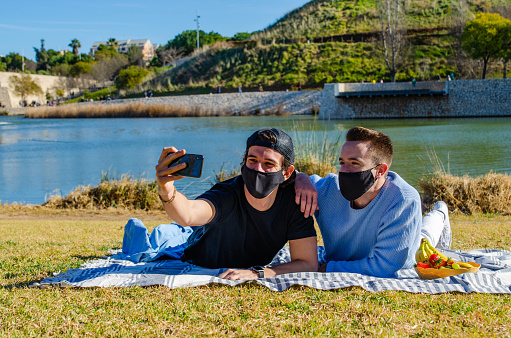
[182, 210]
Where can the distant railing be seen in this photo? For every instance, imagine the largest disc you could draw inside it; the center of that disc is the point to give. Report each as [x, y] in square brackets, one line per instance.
[347, 90]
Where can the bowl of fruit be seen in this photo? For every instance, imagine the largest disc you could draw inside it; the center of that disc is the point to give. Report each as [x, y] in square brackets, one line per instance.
[432, 264]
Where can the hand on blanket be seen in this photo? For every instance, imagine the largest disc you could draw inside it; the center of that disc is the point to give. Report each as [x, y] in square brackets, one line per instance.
[235, 274]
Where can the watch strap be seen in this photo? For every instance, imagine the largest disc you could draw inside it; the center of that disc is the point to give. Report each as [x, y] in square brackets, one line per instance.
[259, 270]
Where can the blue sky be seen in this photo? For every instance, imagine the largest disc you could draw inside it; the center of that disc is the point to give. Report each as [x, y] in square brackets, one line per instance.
[25, 23]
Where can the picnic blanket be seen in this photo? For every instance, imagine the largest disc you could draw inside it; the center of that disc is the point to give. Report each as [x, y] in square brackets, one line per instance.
[112, 271]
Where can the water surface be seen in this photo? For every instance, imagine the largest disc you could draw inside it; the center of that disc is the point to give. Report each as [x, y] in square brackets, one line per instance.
[42, 157]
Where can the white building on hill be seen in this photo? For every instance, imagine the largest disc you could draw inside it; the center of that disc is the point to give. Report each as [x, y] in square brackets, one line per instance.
[145, 46]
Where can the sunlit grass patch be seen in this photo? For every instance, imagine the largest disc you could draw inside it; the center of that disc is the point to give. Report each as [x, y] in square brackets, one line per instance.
[41, 242]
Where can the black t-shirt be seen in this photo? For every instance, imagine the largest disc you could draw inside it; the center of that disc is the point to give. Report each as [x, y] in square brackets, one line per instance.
[240, 236]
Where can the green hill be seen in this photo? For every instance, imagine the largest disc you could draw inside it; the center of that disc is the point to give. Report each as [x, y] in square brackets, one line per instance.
[331, 41]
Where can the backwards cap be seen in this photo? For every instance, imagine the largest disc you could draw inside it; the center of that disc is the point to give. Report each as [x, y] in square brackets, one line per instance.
[284, 144]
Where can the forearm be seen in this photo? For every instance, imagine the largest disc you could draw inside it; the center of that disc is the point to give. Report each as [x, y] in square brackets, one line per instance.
[184, 211]
[294, 266]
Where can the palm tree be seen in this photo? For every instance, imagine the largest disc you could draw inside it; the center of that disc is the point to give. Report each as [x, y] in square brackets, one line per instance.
[112, 42]
[75, 44]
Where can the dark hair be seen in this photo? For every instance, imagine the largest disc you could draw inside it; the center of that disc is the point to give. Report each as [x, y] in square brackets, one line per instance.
[380, 149]
[269, 136]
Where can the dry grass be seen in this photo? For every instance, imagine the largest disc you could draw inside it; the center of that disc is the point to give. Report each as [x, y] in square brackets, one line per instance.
[314, 153]
[106, 110]
[42, 242]
[490, 193]
[125, 193]
[487, 194]
[137, 110]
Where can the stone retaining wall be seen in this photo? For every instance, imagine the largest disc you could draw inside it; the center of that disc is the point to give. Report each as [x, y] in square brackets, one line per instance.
[466, 98]
[9, 99]
[297, 103]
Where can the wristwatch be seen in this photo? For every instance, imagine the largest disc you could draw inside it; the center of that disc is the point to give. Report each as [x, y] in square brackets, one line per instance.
[259, 270]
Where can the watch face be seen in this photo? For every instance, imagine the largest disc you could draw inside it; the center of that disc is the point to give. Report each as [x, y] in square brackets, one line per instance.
[259, 269]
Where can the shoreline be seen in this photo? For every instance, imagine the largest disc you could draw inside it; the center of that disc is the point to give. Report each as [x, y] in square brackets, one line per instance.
[229, 104]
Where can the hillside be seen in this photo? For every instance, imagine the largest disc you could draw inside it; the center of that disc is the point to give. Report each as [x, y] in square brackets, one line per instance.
[325, 18]
[331, 41]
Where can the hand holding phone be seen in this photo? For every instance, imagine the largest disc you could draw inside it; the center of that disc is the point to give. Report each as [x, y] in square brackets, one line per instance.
[193, 168]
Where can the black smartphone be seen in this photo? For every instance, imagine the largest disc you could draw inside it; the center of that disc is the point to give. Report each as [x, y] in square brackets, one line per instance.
[193, 165]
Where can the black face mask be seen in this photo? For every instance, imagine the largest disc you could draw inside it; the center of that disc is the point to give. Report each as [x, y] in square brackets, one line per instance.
[354, 185]
[260, 184]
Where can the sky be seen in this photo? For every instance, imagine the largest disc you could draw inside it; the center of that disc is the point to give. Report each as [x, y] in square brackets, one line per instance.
[24, 24]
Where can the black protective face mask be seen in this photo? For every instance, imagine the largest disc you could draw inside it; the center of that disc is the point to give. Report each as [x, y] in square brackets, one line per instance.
[354, 185]
[260, 184]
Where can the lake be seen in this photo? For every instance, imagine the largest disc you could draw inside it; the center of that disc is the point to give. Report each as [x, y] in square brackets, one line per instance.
[42, 157]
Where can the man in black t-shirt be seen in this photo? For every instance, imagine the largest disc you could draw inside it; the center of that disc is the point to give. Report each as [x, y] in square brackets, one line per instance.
[243, 222]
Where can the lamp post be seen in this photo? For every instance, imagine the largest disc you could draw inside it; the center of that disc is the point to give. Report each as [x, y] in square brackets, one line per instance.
[197, 20]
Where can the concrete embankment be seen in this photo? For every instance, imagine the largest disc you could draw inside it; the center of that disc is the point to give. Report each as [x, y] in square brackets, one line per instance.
[464, 98]
[297, 103]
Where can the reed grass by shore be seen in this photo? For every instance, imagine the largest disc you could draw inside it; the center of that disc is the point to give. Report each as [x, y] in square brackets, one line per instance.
[137, 110]
[125, 193]
[487, 194]
[315, 153]
[106, 110]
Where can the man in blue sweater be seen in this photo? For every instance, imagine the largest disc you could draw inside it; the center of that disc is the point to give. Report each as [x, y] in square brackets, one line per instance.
[369, 217]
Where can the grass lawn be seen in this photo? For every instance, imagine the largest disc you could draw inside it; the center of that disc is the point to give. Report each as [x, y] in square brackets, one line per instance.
[36, 243]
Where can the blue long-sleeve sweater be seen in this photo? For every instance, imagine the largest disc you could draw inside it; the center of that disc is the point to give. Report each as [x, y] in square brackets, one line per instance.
[377, 240]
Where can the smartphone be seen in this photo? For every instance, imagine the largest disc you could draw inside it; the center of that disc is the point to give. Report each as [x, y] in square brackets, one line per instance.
[193, 165]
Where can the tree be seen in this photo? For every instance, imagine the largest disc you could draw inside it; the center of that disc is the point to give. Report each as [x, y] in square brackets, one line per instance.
[113, 43]
[506, 46]
[14, 61]
[41, 56]
[456, 24]
[187, 40]
[393, 34]
[106, 68]
[241, 36]
[484, 38]
[104, 51]
[75, 44]
[166, 55]
[80, 68]
[135, 56]
[130, 77]
[85, 57]
[24, 86]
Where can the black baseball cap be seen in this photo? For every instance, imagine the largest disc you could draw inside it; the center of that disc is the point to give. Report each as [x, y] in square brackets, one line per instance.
[284, 144]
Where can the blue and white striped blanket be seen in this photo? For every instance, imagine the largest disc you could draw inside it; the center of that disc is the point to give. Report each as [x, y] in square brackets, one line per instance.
[111, 271]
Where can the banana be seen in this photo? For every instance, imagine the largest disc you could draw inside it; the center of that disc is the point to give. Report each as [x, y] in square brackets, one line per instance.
[431, 250]
[420, 255]
[425, 256]
[464, 265]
